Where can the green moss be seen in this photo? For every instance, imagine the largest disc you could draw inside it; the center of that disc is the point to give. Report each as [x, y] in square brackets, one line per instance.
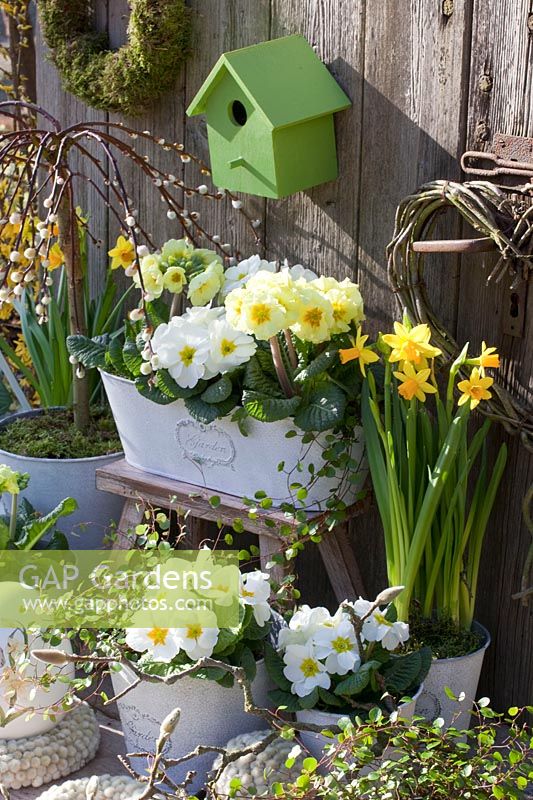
[53, 435]
[127, 80]
[444, 637]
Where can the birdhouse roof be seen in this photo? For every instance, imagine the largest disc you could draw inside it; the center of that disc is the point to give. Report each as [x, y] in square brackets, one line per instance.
[284, 78]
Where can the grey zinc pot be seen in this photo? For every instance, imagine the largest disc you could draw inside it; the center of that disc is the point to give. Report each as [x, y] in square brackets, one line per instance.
[459, 674]
[51, 480]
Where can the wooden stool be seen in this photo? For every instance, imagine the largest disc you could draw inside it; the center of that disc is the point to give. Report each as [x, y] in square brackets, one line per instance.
[140, 488]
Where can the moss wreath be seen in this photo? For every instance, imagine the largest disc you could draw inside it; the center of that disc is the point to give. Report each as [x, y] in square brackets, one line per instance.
[127, 80]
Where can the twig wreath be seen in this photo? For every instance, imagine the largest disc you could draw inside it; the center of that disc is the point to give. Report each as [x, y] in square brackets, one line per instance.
[491, 212]
[129, 79]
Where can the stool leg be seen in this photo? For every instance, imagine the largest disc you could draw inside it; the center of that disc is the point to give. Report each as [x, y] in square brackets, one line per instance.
[132, 515]
[269, 546]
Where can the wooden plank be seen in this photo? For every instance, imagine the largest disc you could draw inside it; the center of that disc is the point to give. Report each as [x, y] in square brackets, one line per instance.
[501, 92]
[318, 228]
[341, 564]
[413, 105]
[217, 28]
[68, 110]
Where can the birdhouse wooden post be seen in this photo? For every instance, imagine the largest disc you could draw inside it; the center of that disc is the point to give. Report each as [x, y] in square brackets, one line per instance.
[269, 111]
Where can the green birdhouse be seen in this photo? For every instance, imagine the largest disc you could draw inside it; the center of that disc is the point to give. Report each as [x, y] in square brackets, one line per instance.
[269, 111]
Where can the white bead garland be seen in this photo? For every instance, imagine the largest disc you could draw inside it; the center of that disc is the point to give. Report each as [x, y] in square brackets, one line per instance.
[109, 787]
[259, 770]
[59, 752]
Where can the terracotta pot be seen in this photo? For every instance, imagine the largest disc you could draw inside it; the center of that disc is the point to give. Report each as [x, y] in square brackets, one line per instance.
[218, 456]
[53, 479]
[459, 674]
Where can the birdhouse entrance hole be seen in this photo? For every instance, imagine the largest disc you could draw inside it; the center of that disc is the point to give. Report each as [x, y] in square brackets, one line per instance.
[239, 114]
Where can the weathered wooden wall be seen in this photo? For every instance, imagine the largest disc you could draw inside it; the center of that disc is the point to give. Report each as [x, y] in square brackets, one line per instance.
[427, 78]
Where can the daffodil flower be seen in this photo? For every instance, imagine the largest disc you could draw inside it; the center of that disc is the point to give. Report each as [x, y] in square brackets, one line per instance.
[56, 257]
[413, 383]
[410, 345]
[488, 359]
[364, 355]
[122, 254]
[475, 388]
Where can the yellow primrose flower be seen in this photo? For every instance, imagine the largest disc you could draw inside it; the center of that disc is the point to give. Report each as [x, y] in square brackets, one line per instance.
[280, 287]
[413, 383]
[234, 304]
[206, 285]
[315, 316]
[55, 257]
[9, 480]
[345, 299]
[262, 315]
[122, 254]
[410, 345]
[363, 354]
[475, 388]
[151, 275]
[174, 279]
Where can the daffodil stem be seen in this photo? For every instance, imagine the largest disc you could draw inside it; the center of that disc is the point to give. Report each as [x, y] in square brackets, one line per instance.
[277, 358]
[293, 356]
[13, 519]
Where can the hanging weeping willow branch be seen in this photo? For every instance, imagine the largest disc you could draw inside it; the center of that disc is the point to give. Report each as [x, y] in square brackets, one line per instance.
[494, 215]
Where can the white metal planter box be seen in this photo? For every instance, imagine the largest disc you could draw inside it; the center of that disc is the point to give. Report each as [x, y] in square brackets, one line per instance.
[167, 441]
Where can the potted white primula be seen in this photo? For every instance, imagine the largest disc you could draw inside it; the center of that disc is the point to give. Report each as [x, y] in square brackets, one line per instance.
[331, 666]
[256, 344]
[148, 684]
[31, 695]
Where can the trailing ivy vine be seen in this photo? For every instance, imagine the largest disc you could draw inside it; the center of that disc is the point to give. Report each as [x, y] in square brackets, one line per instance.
[129, 79]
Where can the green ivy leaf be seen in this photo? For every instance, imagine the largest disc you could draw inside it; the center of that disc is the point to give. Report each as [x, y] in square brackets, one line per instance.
[324, 409]
[269, 409]
[90, 352]
[219, 391]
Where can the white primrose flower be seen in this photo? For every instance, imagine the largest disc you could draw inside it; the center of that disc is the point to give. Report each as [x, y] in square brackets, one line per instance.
[159, 642]
[338, 645]
[240, 274]
[183, 349]
[304, 670]
[229, 348]
[298, 271]
[255, 592]
[202, 316]
[389, 634]
[376, 628]
[197, 639]
[303, 625]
